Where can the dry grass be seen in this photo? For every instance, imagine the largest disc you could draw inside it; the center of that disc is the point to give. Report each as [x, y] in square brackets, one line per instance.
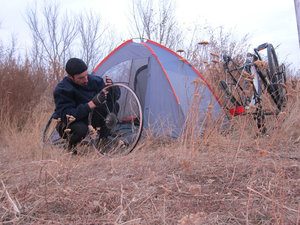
[235, 177]
[232, 177]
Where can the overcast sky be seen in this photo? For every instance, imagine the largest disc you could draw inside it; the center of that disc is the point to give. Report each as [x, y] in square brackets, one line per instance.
[272, 21]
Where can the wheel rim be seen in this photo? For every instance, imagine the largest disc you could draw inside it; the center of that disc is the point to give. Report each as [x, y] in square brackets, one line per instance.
[50, 135]
[123, 122]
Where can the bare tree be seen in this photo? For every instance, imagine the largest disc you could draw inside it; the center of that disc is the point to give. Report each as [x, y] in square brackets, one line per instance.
[92, 38]
[208, 44]
[52, 38]
[157, 23]
[7, 53]
[206, 47]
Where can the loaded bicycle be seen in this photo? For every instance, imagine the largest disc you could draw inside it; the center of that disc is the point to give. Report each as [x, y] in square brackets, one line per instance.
[245, 86]
[124, 124]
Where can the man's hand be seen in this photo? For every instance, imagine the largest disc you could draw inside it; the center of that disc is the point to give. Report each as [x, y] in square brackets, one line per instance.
[99, 98]
[108, 81]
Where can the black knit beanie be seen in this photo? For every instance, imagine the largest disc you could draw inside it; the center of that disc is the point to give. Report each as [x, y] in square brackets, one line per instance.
[75, 66]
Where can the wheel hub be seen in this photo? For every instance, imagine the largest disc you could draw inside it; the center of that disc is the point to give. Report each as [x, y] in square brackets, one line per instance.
[111, 120]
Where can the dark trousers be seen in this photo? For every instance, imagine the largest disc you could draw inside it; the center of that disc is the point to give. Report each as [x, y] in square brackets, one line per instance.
[79, 129]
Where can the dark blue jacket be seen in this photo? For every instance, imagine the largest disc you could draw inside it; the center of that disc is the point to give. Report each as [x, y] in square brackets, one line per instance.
[72, 99]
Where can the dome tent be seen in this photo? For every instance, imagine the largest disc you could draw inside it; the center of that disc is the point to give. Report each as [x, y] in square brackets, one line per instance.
[171, 91]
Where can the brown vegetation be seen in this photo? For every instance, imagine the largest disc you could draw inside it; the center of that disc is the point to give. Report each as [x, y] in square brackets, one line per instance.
[21, 89]
[232, 177]
[223, 177]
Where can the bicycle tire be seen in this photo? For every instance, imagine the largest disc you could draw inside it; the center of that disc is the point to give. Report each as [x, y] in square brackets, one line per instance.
[273, 63]
[50, 135]
[124, 125]
[277, 77]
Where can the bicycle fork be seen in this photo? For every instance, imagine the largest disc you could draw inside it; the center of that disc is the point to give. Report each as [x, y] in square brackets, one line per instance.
[257, 98]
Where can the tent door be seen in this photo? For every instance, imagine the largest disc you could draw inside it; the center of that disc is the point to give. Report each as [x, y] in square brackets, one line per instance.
[140, 84]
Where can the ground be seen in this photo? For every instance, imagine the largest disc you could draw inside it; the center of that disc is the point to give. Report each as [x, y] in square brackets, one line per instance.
[225, 176]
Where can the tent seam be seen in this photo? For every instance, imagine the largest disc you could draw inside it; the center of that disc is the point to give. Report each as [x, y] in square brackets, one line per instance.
[153, 53]
[193, 68]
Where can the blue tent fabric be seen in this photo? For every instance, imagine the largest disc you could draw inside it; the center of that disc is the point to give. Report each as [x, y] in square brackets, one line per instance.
[171, 91]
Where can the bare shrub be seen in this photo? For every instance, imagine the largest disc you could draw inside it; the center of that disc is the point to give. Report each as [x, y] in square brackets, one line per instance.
[21, 89]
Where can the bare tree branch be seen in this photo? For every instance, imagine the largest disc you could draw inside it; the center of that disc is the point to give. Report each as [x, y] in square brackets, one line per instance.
[92, 38]
[156, 23]
[52, 38]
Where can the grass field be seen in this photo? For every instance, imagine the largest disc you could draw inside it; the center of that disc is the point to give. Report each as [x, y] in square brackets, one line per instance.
[232, 177]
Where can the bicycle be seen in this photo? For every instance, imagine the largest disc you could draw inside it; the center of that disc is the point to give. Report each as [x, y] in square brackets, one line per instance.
[125, 125]
[245, 85]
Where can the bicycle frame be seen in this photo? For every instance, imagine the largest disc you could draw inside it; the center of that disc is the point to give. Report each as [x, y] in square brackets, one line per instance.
[235, 84]
[251, 78]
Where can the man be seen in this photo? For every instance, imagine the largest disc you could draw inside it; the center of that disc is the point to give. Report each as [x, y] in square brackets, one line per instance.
[75, 97]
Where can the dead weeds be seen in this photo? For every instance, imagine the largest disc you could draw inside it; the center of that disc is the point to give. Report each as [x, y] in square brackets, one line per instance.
[233, 177]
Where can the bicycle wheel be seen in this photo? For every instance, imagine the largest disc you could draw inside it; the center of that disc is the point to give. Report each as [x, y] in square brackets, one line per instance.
[277, 77]
[273, 63]
[120, 120]
[50, 135]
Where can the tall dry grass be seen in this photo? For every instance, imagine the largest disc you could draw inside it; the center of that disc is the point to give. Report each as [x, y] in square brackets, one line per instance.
[232, 177]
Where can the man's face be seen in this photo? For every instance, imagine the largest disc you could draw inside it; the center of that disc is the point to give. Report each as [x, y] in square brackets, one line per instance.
[80, 79]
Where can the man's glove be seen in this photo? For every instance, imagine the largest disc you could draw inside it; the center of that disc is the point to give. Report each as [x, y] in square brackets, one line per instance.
[99, 98]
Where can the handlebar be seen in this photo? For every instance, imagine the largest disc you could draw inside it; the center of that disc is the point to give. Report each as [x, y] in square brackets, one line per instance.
[226, 58]
[261, 47]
